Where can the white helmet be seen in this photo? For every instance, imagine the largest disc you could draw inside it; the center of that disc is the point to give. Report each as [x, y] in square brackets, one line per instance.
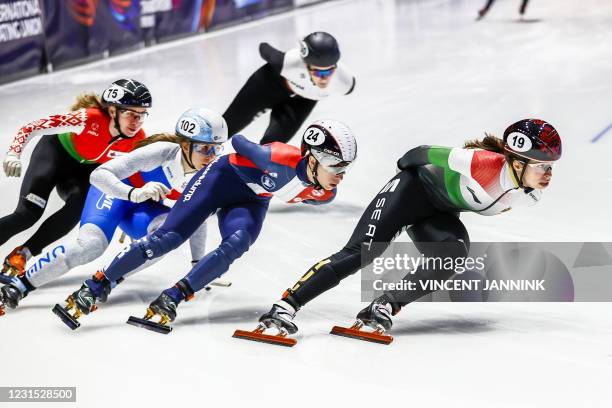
[332, 143]
[202, 126]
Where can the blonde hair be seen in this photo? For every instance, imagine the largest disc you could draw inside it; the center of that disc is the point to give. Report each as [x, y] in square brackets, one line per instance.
[489, 142]
[87, 100]
[160, 137]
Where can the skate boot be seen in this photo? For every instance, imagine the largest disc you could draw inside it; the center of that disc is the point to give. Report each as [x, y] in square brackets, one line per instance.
[84, 300]
[10, 296]
[481, 13]
[14, 264]
[280, 317]
[165, 307]
[376, 316]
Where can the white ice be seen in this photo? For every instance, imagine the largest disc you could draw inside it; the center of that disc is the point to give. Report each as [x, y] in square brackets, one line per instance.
[427, 74]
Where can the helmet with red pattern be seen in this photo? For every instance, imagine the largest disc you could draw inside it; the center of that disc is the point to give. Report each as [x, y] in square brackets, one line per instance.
[533, 139]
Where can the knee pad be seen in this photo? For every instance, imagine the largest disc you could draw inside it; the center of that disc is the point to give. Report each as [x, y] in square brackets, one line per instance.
[234, 246]
[90, 244]
[160, 243]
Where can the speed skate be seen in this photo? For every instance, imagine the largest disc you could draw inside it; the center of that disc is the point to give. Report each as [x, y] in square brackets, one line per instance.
[146, 323]
[258, 334]
[355, 332]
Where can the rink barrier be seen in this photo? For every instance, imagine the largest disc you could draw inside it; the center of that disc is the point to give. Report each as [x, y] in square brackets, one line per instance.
[39, 36]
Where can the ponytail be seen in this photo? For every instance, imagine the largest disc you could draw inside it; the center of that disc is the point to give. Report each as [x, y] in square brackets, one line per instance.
[160, 137]
[88, 100]
[489, 142]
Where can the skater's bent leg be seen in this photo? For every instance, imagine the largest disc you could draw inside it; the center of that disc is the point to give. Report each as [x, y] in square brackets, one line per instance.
[59, 223]
[442, 236]
[89, 245]
[286, 119]
[240, 226]
[400, 202]
[152, 246]
[25, 215]
[323, 276]
[215, 263]
[262, 90]
[139, 228]
[39, 180]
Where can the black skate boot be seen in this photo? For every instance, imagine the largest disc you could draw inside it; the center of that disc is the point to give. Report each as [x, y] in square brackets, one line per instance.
[482, 13]
[165, 307]
[377, 316]
[84, 300]
[10, 296]
[281, 317]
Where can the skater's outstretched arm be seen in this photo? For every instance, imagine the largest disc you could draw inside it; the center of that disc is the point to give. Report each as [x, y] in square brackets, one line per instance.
[273, 56]
[109, 176]
[71, 122]
[268, 158]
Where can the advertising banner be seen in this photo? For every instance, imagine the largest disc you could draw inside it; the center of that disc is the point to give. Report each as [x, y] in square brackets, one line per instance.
[225, 12]
[21, 38]
[299, 3]
[67, 31]
[165, 19]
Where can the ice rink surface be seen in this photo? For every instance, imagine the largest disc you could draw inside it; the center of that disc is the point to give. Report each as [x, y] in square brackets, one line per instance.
[427, 73]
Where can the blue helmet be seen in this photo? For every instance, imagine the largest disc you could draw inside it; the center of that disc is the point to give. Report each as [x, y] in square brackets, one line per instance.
[202, 126]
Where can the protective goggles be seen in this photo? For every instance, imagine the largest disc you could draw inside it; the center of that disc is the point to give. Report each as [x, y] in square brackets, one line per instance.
[541, 167]
[322, 73]
[133, 115]
[332, 164]
[207, 149]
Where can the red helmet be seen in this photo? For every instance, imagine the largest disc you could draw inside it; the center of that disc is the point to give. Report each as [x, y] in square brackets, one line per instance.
[533, 139]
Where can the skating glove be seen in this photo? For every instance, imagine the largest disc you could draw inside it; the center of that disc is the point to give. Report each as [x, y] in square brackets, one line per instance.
[153, 190]
[12, 165]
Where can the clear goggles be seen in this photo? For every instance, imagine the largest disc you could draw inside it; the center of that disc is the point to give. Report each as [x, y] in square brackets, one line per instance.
[133, 115]
[541, 167]
[322, 73]
[332, 164]
[207, 149]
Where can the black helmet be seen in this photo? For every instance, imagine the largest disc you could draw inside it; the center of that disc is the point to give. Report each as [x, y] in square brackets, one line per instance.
[127, 93]
[320, 49]
[533, 139]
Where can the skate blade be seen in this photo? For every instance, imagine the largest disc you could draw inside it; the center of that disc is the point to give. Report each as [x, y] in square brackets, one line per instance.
[218, 283]
[221, 283]
[361, 335]
[66, 317]
[149, 325]
[265, 338]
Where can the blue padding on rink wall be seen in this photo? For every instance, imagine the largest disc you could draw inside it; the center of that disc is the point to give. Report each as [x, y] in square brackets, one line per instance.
[37, 36]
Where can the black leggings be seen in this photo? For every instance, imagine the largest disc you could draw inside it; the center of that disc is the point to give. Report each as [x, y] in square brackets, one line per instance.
[265, 89]
[50, 167]
[401, 203]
